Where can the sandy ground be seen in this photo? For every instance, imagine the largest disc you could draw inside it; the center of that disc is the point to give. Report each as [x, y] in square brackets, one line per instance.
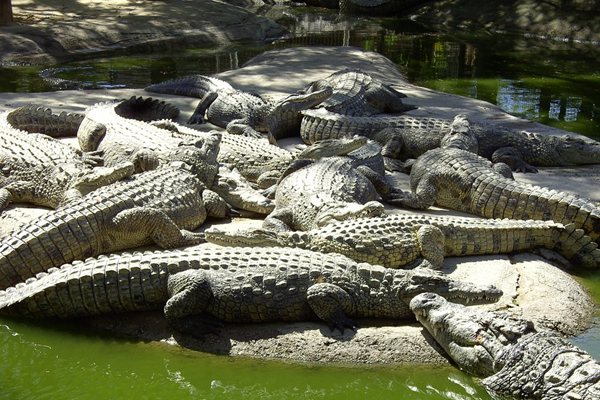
[533, 287]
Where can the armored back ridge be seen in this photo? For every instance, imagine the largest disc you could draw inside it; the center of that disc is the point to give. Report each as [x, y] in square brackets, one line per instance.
[153, 207]
[233, 284]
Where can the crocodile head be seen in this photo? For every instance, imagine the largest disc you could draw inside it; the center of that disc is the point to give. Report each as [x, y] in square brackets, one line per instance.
[246, 237]
[573, 150]
[237, 192]
[332, 147]
[461, 135]
[332, 211]
[474, 339]
[284, 119]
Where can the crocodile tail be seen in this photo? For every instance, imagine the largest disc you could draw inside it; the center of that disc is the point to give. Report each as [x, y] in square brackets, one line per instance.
[578, 247]
[96, 286]
[57, 238]
[192, 86]
[146, 109]
[35, 119]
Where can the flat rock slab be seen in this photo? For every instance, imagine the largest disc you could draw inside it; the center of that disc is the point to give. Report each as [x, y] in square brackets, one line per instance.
[49, 31]
[533, 288]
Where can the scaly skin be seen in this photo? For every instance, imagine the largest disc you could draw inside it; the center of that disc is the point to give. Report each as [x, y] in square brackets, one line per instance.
[357, 93]
[42, 120]
[407, 137]
[234, 285]
[458, 179]
[312, 194]
[107, 127]
[396, 240]
[241, 112]
[41, 170]
[516, 360]
[157, 206]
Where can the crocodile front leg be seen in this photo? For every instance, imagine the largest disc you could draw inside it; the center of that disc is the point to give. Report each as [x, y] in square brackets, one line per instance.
[331, 304]
[513, 158]
[279, 220]
[423, 197]
[155, 224]
[21, 191]
[90, 134]
[242, 128]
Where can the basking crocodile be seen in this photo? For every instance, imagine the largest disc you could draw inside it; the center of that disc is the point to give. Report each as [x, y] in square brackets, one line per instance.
[241, 112]
[314, 193]
[42, 170]
[355, 92]
[459, 179]
[407, 137]
[234, 285]
[109, 128]
[157, 206]
[516, 360]
[399, 239]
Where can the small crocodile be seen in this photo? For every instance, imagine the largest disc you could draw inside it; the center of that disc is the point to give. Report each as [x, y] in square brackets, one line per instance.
[356, 93]
[455, 177]
[241, 112]
[314, 193]
[397, 240]
[407, 137]
[41, 170]
[157, 206]
[234, 285]
[516, 360]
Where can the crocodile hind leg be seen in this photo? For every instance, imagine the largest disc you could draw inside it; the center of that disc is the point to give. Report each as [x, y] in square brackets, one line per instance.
[198, 115]
[432, 241]
[215, 206]
[25, 192]
[189, 294]
[331, 303]
[147, 222]
[90, 134]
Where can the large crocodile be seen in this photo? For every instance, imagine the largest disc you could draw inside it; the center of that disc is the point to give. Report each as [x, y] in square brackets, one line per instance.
[313, 193]
[355, 92]
[516, 360]
[235, 285]
[454, 177]
[397, 240]
[158, 206]
[407, 137]
[39, 169]
[241, 112]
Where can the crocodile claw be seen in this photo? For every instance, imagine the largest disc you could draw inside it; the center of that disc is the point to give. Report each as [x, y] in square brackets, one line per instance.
[340, 321]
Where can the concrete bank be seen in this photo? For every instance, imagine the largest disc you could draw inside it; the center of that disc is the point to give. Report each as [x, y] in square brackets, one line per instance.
[533, 287]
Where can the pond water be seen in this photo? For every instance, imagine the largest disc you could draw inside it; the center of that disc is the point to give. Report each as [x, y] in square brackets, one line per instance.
[551, 82]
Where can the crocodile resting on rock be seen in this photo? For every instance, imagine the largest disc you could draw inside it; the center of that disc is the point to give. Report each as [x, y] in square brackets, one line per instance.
[158, 206]
[39, 169]
[241, 112]
[234, 285]
[356, 93]
[455, 177]
[314, 193]
[516, 360]
[397, 240]
[406, 137]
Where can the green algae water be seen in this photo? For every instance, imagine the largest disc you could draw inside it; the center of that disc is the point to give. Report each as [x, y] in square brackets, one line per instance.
[39, 362]
[550, 82]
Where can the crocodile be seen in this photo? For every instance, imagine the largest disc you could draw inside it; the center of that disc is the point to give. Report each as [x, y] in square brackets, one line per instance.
[397, 240]
[454, 177]
[109, 127]
[515, 359]
[356, 93]
[158, 206]
[406, 137]
[39, 169]
[241, 112]
[235, 285]
[314, 193]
